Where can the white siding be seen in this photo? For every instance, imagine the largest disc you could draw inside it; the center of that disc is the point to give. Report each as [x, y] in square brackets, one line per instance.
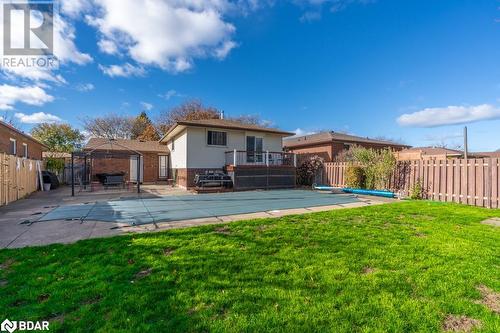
[201, 155]
[178, 156]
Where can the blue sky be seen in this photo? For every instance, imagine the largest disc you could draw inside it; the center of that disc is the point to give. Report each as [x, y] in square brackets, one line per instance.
[415, 70]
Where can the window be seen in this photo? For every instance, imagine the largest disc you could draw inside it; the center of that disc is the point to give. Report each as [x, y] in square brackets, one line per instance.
[173, 144]
[25, 150]
[163, 166]
[215, 138]
[254, 149]
[13, 146]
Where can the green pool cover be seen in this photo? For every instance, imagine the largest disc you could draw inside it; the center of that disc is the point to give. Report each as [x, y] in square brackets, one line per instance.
[139, 211]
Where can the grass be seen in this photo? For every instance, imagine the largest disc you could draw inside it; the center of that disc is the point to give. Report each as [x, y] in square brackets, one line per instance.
[391, 268]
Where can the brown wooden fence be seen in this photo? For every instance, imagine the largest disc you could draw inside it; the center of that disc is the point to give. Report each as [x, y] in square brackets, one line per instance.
[472, 181]
[18, 178]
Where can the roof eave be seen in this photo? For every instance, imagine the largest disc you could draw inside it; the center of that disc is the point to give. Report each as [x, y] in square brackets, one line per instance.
[270, 130]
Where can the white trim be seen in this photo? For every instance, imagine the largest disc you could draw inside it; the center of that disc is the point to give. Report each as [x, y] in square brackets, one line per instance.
[15, 146]
[25, 150]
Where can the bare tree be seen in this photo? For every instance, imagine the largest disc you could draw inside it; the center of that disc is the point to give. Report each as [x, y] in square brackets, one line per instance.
[195, 110]
[9, 118]
[250, 119]
[389, 139]
[191, 110]
[110, 126]
[448, 145]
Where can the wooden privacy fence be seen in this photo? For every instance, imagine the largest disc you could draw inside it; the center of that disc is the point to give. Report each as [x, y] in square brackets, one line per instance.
[469, 181]
[18, 178]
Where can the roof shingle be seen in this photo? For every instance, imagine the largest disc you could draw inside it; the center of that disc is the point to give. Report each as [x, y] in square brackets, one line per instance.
[125, 145]
[226, 124]
[334, 136]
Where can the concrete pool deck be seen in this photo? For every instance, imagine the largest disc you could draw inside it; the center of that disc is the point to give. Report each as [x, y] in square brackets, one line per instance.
[22, 224]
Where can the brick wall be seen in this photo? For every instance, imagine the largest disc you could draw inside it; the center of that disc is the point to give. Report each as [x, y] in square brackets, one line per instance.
[34, 148]
[322, 150]
[330, 150]
[109, 165]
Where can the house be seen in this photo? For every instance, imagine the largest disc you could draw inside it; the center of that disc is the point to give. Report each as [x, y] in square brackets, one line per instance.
[120, 155]
[487, 154]
[329, 144]
[20, 144]
[428, 153]
[253, 155]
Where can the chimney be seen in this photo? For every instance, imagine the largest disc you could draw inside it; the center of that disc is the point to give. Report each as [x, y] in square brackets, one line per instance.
[221, 116]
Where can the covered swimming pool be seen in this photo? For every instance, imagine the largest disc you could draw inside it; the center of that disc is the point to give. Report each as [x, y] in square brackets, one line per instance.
[139, 211]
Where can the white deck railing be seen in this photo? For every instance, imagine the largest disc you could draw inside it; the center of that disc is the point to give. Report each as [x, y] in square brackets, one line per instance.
[264, 158]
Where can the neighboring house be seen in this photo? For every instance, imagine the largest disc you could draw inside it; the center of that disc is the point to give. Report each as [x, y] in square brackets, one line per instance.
[15, 142]
[487, 154]
[428, 153]
[329, 144]
[246, 152]
[123, 158]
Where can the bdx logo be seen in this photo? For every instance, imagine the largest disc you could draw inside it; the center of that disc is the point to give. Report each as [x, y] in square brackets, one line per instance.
[28, 28]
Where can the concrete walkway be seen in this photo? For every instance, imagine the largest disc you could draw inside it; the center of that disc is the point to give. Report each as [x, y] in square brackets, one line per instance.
[18, 230]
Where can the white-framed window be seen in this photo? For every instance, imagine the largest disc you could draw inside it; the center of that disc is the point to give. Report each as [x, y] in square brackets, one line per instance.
[13, 146]
[173, 144]
[163, 166]
[25, 150]
[216, 138]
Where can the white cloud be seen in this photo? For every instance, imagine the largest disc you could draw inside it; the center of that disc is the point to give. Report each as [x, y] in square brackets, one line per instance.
[167, 34]
[169, 94]
[302, 132]
[310, 16]
[33, 74]
[85, 87]
[224, 50]
[74, 8]
[125, 70]
[64, 44]
[31, 95]
[37, 118]
[147, 106]
[107, 46]
[450, 115]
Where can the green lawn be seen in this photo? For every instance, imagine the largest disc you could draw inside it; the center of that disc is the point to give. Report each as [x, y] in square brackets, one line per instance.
[391, 268]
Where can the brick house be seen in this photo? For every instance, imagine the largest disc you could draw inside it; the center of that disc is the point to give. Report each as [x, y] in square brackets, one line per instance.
[428, 153]
[329, 144]
[20, 144]
[123, 158]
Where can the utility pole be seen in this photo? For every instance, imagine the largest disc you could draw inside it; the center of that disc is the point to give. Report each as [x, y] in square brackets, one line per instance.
[466, 148]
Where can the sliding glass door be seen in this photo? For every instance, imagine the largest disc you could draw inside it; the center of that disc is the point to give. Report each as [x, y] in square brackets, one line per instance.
[254, 149]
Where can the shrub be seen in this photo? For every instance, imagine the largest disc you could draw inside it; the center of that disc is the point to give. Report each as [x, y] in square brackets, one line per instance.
[417, 191]
[55, 165]
[308, 169]
[355, 177]
[378, 166]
